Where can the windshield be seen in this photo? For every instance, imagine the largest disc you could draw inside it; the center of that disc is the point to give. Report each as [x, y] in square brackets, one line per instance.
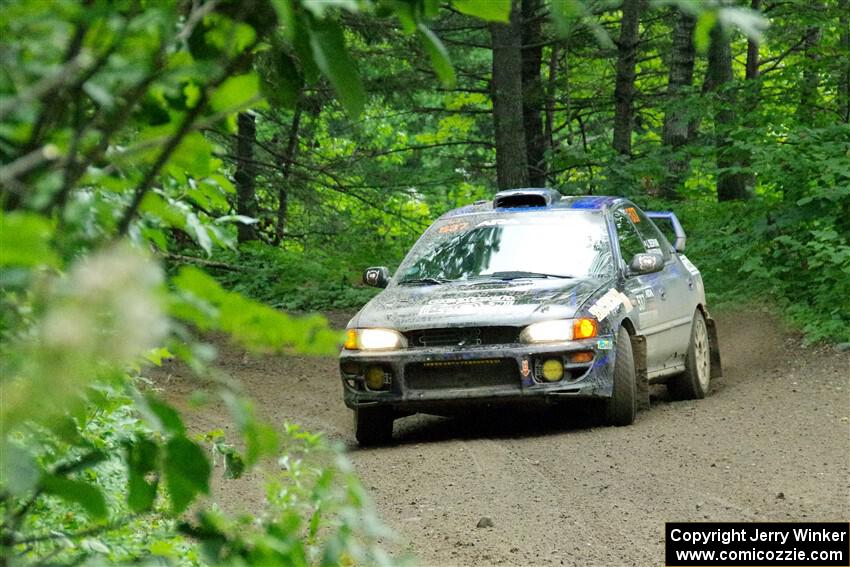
[566, 244]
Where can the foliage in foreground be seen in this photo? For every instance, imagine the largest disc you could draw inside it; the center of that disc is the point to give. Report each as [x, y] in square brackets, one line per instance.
[96, 465]
[103, 164]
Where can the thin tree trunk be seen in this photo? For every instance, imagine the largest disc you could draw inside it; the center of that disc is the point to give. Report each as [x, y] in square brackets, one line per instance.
[810, 80]
[730, 185]
[752, 95]
[246, 174]
[533, 95]
[753, 48]
[844, 77]
[506, 86]
[283, 190]
[676, 129]
[551, 87]
[624, 90]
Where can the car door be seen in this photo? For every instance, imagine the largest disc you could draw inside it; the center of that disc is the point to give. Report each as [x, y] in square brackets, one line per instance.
[663, 316]
[680, 293]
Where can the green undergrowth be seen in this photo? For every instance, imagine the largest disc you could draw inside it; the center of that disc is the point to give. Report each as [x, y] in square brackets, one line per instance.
[758, 252]
[293, 281]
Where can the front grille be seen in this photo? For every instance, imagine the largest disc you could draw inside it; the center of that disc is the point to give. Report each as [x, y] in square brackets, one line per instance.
[462, 374]
[462, 336]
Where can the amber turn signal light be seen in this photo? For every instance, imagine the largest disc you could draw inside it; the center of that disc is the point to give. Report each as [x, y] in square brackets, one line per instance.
[585, 328]
[350, 339]
[581, 356]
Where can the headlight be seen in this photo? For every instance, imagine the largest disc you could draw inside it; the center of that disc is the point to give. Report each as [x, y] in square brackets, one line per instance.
[559, 330]
[374, 339]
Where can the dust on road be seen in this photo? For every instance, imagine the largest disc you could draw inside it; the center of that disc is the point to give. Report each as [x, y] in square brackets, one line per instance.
[771, 443]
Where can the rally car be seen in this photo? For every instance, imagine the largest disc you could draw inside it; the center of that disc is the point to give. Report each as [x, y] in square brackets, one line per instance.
[530, 297]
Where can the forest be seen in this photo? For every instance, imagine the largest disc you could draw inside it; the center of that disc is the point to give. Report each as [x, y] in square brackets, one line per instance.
[180, 168]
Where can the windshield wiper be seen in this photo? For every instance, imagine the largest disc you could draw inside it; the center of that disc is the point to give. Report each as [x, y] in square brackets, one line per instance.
[424, 281]
[516, 275]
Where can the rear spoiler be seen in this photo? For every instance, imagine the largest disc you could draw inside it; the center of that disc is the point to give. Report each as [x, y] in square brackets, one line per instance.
[679, 245]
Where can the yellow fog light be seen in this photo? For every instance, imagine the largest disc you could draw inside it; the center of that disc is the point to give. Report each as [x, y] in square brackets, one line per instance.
[553, 370]
[375, 378]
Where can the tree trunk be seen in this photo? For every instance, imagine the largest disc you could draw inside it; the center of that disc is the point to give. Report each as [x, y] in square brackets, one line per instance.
[283, 190]
[533, 95]
[810, 80]
[730, 185]
[246, 174]
[624, 90]
[506, 86]
[675, 132]
[752, 95]
[844, 76]
[753, 48]
[551, 88]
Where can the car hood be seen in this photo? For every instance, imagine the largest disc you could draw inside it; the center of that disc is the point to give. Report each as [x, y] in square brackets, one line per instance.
[490, 303]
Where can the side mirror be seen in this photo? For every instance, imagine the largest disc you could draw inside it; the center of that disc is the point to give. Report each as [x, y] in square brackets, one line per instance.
[645, 264]
[376, 277]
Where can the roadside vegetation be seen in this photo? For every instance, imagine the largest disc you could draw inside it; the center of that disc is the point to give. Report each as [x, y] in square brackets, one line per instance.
[174, 168]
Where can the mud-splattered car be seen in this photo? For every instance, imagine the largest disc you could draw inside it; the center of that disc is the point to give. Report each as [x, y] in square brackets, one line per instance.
[531, 296]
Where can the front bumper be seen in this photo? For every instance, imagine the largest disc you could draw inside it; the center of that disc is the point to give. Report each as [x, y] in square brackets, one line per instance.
[522, 381]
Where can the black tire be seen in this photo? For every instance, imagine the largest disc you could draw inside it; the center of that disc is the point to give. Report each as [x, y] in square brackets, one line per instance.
[695, 381]
[622, 406]
[373, 426]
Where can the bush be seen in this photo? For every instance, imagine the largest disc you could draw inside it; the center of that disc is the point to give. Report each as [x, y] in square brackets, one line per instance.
[293, 281]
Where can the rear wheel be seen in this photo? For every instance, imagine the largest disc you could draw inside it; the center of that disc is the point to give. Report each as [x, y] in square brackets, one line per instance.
[373, 426]
[622, 406]
[694, 382]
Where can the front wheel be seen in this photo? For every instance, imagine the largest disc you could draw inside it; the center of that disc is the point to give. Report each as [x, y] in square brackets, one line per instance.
[694, 382]
[373, 426]
[622, 406]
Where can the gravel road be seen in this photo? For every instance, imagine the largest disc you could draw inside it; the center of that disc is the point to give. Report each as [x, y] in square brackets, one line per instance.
[771, 443]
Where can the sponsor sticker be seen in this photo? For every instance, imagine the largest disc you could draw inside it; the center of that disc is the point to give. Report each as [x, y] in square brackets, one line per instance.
[604, 344]
[467, 305]
[611, 301]
[454, 227]
[689, 265]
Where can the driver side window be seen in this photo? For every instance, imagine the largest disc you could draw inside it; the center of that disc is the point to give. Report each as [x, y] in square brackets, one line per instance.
[630, 241]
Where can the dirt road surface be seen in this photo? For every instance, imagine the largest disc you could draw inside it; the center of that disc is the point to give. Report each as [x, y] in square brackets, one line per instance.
[771, 443]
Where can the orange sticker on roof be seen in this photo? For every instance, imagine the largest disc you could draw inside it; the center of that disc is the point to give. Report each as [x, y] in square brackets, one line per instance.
[632, 214]
[453, 227]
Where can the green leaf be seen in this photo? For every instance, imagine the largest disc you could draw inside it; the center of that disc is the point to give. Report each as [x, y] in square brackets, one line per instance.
[192, 156]
[439, 56]
[25, 240]
[156, 355]
[161, 416]
[318, 7]
[236, 93]
[284, 81]
[142, 458]
[187, 472]
[86, 495]
[702, 33]
[328, 46]
[18, 469]
[491, 10]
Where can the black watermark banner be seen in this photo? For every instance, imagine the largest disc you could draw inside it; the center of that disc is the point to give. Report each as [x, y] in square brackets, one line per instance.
[745, 544]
